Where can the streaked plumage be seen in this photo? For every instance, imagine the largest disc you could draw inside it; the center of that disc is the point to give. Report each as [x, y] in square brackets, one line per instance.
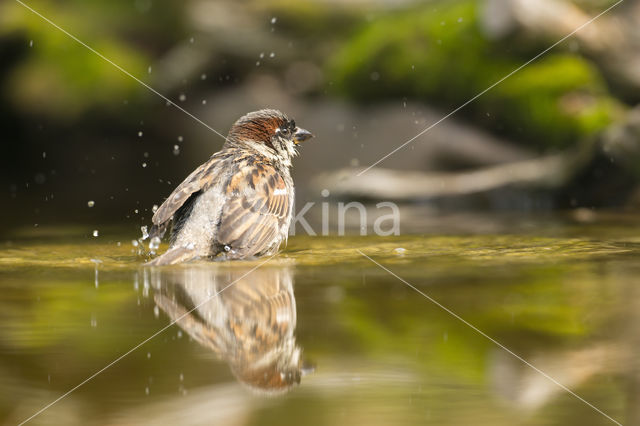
[240, 202]
[250, 325]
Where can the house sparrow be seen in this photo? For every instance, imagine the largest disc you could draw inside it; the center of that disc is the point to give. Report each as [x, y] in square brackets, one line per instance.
[250, 325]
[240, 202]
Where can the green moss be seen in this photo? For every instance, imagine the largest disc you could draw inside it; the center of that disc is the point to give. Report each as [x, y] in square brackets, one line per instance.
[61, 78]
[311, 19]
[442, 57]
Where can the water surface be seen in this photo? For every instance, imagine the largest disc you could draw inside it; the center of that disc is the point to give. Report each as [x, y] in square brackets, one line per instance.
[323, 335]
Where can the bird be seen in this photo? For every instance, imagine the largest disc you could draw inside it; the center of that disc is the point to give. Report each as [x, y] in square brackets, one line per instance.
[238, 204]
[250, 325]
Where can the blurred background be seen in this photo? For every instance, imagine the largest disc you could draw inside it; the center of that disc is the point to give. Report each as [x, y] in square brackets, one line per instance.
[365, 76]
[518, 212]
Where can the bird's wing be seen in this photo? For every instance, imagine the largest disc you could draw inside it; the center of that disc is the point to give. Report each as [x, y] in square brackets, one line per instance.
[205, 334]
[195, 182]
[256, 210]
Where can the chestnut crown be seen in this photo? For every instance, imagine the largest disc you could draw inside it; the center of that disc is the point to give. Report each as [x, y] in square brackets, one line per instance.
[270, 128]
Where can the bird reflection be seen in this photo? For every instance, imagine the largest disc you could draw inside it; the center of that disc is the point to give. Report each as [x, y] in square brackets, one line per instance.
[248, 318]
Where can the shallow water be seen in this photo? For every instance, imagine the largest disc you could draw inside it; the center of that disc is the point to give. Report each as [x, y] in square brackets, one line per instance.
[365, 346]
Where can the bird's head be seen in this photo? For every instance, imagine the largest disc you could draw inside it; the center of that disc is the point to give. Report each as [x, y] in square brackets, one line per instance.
[275, 371]
[270, 132]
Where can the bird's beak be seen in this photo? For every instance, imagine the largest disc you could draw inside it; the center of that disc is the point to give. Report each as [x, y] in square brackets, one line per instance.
[301, 135]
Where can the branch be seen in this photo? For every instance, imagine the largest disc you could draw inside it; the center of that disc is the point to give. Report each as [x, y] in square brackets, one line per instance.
[548, 172]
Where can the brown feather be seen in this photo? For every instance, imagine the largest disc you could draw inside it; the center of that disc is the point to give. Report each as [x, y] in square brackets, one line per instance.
[240, 200]
[252, 218]
[195, 182]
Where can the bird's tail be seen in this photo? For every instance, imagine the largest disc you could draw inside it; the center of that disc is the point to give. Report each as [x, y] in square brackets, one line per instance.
[173, 256]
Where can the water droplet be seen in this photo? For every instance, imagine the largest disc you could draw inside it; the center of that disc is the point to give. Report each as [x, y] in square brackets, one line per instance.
[156, 311]
[204, 102]
[460, 19]
[375, 76]
[180, 138]
[149, 69]
[91, 203]
[261, 55]
[135, 243]
[148, 355]
[181, 377]
[274, 20]
[272, 54]
[191, 40]
[30, 43]
[182, 97]
[146, 390]
[176, 150]
[227, 248]
[95, 232]
[44, 154]
[154, 243]
[325, 193]
[257, 63]
[400, 251]
[154, 208]
[140, 134]
[203, 76]
[94, 322]
[144, 165]
[145, 232]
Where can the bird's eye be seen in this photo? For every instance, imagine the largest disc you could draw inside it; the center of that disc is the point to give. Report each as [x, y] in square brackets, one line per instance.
[284, 131]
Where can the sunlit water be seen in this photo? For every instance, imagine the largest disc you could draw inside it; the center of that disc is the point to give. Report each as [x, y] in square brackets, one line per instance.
[364, 346]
